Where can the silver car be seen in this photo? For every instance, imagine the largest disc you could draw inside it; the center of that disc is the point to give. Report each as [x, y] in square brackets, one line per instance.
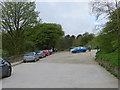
[31, 56]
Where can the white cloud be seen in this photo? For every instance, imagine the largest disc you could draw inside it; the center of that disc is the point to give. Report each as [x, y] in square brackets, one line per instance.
[74, 17]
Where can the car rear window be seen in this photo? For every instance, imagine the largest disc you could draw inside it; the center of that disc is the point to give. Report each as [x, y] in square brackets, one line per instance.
[29, 54]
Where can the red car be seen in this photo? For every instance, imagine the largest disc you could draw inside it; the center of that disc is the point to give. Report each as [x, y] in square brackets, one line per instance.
[46, 52]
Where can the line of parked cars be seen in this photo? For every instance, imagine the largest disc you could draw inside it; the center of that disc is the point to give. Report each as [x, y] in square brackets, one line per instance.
[35, 56]
[6, 68]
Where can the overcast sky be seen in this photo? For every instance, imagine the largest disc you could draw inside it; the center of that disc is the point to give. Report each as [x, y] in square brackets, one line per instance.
[74, 17]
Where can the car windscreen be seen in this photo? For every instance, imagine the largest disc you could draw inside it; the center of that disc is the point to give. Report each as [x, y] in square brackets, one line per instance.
[41, 51]
[45, 50]
[76, 48]
[83, 48]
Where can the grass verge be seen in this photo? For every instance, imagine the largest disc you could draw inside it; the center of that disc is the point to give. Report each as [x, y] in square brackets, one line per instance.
[109, 61]
[111, 58]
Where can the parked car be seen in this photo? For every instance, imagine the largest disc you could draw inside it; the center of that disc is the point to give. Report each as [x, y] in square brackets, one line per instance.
[31, 56]
[40, 54]
[46, 52]
[5, 68]
[78, 49]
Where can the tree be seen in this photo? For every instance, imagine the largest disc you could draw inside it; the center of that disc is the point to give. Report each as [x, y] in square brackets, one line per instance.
[72, 38]
[104, 41]
[86, 38]
[102, 9]
[71, 41]
[108, 39]
[99, 7]
[66, 42]
[46, 35]
[79, 36]
[16, 17]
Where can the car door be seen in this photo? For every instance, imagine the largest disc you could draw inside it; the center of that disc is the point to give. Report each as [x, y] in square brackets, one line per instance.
[3, 67]
[36, 56]
[78, 49]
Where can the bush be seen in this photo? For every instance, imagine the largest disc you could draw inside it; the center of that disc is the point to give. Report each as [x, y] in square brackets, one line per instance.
[105, 42]
[110, 57]
[5, 53]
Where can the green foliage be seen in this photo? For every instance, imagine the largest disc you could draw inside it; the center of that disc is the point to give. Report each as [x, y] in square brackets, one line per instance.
[115, 45]
[104, 41]
[110, 57]
[46, 35]
[5, 53]
[71, 41]
[16, 18]
[22, 32]
[86, 38]
[18, 15]
[107, 40]
[66, 42]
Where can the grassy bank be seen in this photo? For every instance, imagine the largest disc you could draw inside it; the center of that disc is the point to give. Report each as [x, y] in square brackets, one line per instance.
[109, 61]
[13, 59]
[110, 57]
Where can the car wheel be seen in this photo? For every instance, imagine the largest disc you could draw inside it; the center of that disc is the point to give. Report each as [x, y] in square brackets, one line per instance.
[74, 52]
[9, 72]
[35, 60]
[45, 55]
[38, 59]
[84, 50]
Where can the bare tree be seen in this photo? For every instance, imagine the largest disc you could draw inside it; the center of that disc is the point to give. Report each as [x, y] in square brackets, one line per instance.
[16, 17]
[102, 9]
[99, 7]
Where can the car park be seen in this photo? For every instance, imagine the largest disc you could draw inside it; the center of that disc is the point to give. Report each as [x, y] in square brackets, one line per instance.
[78, 49]
[40, 54]
[31, 56]
[46, 52]
[5, 68]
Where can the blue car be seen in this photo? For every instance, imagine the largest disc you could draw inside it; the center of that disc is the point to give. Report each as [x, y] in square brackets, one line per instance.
[78, 49]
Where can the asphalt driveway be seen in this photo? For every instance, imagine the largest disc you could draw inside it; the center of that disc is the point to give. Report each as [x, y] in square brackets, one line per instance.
[61, 70]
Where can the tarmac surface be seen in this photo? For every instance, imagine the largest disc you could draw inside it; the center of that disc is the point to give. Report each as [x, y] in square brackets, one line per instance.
[61, 70]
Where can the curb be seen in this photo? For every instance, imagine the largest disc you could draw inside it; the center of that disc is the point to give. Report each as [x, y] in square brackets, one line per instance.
[16, 63]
